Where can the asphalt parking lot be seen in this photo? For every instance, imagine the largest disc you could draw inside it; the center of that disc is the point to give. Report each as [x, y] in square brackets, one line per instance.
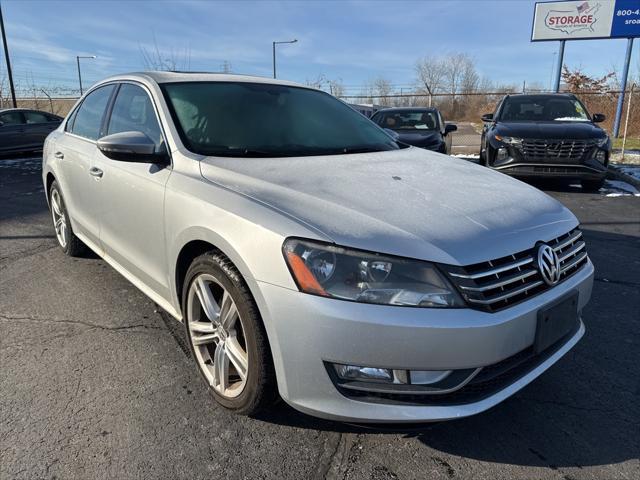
[95, 382]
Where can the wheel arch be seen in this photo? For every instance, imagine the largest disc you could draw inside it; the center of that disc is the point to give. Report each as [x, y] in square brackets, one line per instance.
[194, 242]
[198, 240]
[49, 179]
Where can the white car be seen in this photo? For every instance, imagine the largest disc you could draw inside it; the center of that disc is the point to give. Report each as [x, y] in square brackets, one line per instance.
[308, 253]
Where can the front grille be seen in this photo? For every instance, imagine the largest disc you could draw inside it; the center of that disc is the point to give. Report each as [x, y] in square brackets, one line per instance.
[500, 283]
[554, 150]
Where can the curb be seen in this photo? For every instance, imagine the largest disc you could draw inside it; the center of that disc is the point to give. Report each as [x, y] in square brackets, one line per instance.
[614, 174]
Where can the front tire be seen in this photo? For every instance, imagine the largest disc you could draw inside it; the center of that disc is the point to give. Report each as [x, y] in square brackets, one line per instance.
[69, 243]
[226, 335]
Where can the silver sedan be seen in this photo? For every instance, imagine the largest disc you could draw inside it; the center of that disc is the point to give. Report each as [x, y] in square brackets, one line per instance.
[311, 255]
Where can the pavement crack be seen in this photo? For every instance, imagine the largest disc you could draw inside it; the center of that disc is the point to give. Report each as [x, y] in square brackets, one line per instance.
[328, 456]
[618, 282]
[29, 318]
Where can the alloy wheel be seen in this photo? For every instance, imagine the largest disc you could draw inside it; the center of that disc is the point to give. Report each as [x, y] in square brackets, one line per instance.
[217, 335]
[59, 218]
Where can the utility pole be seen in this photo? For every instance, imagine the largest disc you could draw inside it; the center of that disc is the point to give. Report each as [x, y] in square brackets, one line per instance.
[6, 57]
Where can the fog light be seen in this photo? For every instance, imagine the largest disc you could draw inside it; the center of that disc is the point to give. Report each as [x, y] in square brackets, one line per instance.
[601, 156]
[369, 374]
[502, 154]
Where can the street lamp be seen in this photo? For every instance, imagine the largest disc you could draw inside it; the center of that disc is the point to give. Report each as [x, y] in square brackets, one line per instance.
[274, 53]
[78, 57]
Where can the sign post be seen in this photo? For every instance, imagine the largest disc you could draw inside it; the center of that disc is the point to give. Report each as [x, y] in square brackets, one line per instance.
[588, 20]
[556, 85]
[623, 87]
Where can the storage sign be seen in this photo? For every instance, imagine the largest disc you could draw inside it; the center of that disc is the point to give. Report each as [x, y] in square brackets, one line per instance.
[581, 19]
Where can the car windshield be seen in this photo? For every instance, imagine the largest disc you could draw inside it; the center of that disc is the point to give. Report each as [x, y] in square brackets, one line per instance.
[543, 109]
[265, 120]
[407, 120]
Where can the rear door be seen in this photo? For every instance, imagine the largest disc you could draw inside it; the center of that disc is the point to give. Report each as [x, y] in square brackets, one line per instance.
[37, 126]
[75, 154]
[12, 131]
[131, 206]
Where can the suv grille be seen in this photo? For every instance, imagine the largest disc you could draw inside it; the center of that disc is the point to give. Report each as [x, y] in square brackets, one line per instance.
[534, 149]
[503, 282]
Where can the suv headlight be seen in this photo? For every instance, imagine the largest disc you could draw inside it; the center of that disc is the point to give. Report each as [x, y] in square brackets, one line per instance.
[601, 142]
[509, 140]
[346, 274]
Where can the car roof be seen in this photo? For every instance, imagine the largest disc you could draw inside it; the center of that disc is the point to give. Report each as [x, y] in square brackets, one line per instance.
[408, 109]
[4, 110]
[541, 95]
[161, 77]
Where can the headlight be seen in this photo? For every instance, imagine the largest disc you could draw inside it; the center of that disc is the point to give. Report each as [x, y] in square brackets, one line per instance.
[341, 273]
[509, 140]
[601, 142]
[601, 156]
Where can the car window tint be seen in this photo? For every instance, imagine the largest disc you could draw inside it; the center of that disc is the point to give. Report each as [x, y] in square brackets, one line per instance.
[133, 111]
[36, 117]
[88, 120]
[11, 118]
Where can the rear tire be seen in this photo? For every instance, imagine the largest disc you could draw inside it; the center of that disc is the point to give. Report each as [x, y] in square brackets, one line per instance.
[232, 356]
[69, 243]
[592, 185]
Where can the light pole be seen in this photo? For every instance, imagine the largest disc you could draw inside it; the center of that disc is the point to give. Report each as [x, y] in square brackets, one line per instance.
[78, 57]
[274, 53]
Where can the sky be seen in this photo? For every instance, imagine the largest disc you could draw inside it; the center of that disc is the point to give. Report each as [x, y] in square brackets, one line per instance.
[350, 41]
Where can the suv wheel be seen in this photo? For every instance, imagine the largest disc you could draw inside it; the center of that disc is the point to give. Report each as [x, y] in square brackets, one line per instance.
[592, 185]
[70, 244]
[226, 335]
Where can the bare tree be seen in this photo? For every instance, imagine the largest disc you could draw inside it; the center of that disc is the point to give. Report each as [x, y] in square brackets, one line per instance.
[336, 87]
[382, 88]
[157, 59]
[430, 72]
[317, 82]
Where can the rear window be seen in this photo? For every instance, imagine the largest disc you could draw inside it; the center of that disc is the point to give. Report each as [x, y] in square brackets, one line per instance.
[88, 119]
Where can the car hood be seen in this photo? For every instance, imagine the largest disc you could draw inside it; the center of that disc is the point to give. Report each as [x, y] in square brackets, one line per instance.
[419, 137]
[550, 130]
[408, 202]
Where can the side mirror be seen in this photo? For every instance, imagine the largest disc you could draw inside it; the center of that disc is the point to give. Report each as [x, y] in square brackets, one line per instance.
[449, 127]
[598, 117]
[487, 117]
[392, 134]
[131, 147]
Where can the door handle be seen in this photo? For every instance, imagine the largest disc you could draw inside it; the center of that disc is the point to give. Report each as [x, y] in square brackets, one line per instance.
[96, 172]
[59, 155]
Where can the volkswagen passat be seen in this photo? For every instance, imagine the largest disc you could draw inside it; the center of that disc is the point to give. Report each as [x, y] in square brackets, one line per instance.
[308, 254]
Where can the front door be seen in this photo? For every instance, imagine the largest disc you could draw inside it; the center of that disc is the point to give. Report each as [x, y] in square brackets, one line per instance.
[131, 207]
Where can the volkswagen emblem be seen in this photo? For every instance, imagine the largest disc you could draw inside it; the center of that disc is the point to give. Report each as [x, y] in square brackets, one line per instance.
[548, 264]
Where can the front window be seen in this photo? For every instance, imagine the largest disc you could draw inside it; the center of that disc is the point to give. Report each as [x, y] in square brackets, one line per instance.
[265, 120]
[407, 120]
[543, 109]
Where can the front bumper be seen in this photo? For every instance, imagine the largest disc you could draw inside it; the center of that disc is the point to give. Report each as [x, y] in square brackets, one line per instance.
[306, 331]
[521, 163]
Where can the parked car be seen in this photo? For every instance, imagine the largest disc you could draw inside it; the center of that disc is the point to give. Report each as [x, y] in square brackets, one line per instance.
[23, 130]
[420, 127]
[307, 253]
[548, 136]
